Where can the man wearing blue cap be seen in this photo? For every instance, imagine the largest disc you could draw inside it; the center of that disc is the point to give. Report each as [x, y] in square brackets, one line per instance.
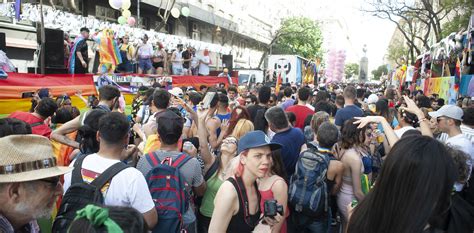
[236, 207]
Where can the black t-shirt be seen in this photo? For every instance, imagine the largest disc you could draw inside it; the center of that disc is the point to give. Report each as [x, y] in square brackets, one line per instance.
[83, 48]
[186, 55]
[253, 109]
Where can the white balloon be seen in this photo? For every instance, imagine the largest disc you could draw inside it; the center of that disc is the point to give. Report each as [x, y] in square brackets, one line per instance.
[175, 12]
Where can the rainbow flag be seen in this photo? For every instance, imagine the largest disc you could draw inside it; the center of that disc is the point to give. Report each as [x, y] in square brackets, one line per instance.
[109, 52]
[11, 89]
[457, 75]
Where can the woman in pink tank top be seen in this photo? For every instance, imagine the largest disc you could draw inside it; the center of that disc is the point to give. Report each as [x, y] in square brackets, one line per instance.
[274, 187]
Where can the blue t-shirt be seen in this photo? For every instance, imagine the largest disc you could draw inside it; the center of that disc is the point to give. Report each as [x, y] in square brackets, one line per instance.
[347, 113]
[291, 141]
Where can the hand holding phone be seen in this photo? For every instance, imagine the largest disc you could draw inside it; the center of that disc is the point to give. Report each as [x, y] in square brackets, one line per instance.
[207, 100]
[27, 94]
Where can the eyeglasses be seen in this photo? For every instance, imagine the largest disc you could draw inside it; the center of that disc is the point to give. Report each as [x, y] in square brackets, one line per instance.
[248, 102]
[53, 181]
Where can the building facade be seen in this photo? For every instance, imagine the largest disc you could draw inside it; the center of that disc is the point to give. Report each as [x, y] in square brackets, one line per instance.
[242, 29]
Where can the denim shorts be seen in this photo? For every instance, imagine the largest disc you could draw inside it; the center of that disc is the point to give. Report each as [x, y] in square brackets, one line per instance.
[144, 64]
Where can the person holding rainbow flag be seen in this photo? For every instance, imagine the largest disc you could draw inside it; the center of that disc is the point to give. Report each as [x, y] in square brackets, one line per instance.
[109, 51]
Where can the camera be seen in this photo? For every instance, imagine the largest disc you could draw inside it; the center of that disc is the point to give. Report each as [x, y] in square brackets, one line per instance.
[271, 208]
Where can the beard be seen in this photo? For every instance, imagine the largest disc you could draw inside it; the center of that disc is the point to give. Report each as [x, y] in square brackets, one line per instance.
[27, 210]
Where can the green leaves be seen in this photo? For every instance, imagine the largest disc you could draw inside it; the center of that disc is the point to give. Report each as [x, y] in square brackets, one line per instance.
[299, 36]
[351, 69]
[382, 69]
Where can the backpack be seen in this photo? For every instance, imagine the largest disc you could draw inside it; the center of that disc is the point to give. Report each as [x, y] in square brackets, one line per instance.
[308, 193]
[81, 193]
[168, 190]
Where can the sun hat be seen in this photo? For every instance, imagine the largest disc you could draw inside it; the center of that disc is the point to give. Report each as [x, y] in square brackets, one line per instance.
[26, 158]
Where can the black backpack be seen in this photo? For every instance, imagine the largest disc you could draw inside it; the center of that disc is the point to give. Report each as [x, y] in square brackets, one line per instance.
[81, 193]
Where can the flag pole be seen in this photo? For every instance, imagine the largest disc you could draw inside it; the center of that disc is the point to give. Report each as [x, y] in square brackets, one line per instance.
[43, 40]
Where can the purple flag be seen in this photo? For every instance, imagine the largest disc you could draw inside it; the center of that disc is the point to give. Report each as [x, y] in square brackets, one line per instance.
[17, 9]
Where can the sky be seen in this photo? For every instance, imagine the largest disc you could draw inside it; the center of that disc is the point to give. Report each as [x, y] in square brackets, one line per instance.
[362, 28]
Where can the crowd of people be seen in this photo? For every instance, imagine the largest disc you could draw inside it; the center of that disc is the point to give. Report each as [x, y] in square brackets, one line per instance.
[353, 158]
[141, 58]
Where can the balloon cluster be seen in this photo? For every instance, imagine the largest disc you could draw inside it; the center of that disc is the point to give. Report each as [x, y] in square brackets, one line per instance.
[335, 65]
[124, 6]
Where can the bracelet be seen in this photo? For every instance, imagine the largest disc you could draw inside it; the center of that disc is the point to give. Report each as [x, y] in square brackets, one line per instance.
[422, 119]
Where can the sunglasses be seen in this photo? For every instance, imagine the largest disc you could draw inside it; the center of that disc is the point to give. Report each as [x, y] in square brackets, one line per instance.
[230, 140]
[53, 181]
[439, 119]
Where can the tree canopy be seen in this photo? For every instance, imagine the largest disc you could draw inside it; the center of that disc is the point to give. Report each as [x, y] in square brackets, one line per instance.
[300, 36]
[381, 70]
[421, 23]
[351, 69]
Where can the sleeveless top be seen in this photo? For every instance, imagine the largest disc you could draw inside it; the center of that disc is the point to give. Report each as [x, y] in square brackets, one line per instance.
[238, 223]
[213, 185]
[268, 195]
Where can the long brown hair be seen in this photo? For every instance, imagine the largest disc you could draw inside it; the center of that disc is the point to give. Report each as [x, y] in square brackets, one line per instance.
[351, 135]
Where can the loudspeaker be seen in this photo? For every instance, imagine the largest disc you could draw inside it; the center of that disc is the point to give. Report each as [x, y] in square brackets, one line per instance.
[53, 47]
[85, 8]
[228, 62]
[3, 43]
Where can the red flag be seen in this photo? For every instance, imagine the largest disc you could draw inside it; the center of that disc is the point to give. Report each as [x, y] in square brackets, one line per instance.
[457, 75]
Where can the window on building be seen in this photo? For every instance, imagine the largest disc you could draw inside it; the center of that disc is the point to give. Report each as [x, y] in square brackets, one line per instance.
[57, 3]
[210, 7]
[106, 13]
[196, 36]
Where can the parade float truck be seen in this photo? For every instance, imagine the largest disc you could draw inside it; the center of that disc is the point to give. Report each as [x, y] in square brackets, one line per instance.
[289, 66]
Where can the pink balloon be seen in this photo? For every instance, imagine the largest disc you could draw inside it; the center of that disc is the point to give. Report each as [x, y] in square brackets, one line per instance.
[131, 21]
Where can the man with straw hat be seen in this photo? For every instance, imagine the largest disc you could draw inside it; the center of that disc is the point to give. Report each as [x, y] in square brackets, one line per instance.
[29, 182]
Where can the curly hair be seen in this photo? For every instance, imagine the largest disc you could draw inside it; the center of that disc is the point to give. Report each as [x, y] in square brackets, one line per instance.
[460, 162]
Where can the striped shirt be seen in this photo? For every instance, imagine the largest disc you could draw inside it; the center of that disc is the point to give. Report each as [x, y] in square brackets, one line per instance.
[468, 132]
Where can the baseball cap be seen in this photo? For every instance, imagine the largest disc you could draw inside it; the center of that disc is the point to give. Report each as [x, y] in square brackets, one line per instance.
[372, 99]
[169, 124]
[451, 111]
[176, 91]
[254, 139]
